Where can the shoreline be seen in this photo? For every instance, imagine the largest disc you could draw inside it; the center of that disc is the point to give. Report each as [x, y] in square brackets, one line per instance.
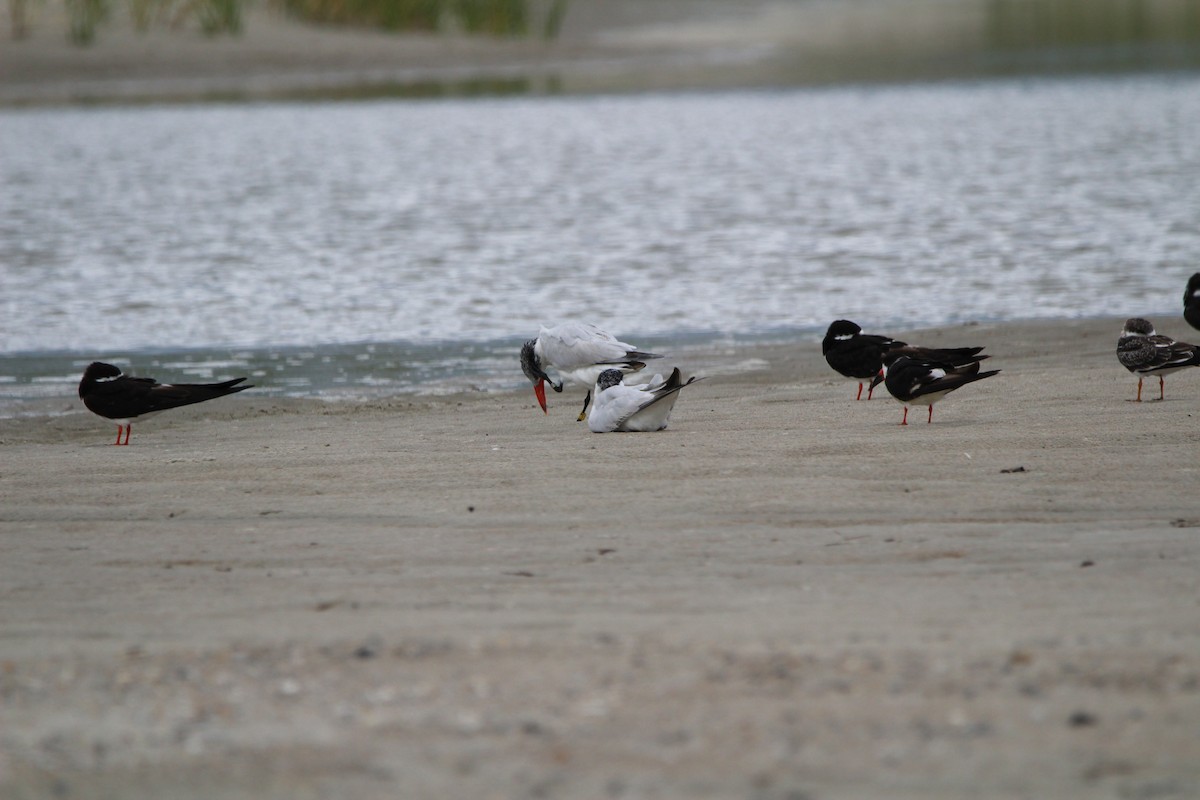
[604, 47]
[55, 378]
[785, 592]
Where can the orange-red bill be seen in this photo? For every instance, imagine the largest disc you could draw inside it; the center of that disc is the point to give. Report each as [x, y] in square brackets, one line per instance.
[539, 389]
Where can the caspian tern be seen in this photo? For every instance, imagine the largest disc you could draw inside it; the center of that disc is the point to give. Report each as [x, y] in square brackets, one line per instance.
[859, 356]
[1144, 352]
[1191, 301]
[642, 407]
[914, 382]
[579, 352]
[109, 394]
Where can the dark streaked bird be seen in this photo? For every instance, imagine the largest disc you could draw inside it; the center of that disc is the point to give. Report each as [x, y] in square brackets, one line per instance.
[124, 399]
[915, 382]
[577, 351]
[1144, 352]
[859, 356]
[642, 407]
[1191, 301]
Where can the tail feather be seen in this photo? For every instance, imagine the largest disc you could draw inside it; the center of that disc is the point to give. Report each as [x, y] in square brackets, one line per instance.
[168, 395]
[976, 376]
[224, 387]
[954, 381]
[957, 355]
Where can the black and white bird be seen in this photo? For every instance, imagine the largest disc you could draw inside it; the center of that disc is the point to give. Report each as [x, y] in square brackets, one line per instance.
[1144, 352]
[642, 407]
[124, 399]
[923, 383]
[1191, 301]
[579, 352]
[854, 354]
[859, 356]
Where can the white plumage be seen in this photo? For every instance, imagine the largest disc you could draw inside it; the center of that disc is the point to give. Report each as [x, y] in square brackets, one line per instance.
[579, 352]
[640, 407]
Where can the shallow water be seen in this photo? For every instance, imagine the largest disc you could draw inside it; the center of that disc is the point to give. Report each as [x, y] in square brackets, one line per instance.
[409, 246]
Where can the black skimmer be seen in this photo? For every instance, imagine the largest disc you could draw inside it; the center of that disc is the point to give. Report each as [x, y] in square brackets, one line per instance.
[915, 382]
[1144, 352]
[577, 351]
[854, 354]
[1191, 301]
[644, 407]
[859, 356]
[109, 394]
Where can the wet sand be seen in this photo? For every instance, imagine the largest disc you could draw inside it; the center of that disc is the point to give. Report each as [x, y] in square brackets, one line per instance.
[784, 595]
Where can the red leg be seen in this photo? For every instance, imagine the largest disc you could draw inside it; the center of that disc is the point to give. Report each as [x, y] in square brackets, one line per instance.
[119, 431]
[930, 414]
[859, 397]
[128, 430]
[905, 420]
[1160, 387]
[870, 391]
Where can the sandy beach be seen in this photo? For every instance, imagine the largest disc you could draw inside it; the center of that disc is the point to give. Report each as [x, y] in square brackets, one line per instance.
[785, 595]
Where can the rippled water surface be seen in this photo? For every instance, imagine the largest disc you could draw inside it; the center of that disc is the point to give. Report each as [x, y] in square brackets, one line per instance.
[431, 236]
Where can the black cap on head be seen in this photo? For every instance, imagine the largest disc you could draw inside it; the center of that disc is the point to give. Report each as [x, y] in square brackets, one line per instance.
[98, 370]
[608, 379]
[843, 327]
[529, 363]
[1139, 326]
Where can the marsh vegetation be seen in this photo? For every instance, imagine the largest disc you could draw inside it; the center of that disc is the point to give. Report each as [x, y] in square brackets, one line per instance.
[1058, 23]
[488, 17]
[85, 18]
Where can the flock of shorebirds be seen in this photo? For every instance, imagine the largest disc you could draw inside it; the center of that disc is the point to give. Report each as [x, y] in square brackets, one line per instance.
[584, 354]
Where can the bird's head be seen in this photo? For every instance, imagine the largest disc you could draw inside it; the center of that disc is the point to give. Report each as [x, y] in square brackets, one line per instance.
[889, 359]
[608, 379]
[1136, 326]
[96, 372]
[531, 365]
[843, 329]
[839, 331]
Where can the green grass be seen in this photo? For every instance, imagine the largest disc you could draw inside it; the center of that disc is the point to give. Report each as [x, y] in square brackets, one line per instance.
[396, 15]
[85, 16]
[479, 17]
[1033, 24]
[217, 17]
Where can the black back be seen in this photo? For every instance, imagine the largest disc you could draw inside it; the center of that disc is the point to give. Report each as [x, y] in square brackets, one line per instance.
[853, 353]
[1191, 301]
[908, 379]
[108, 393]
